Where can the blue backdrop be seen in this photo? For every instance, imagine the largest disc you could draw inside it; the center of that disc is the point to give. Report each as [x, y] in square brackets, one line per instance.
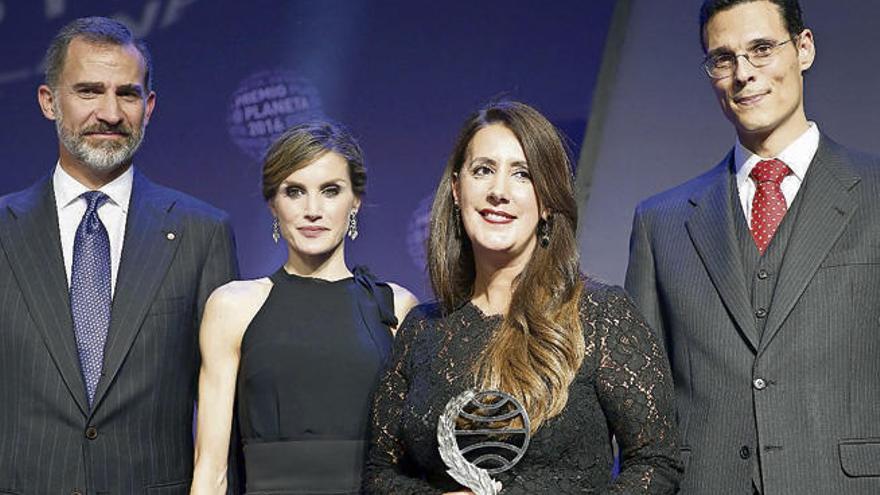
[230, 75]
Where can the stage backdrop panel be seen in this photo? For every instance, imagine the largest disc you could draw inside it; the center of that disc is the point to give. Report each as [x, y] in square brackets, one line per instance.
[231, 75]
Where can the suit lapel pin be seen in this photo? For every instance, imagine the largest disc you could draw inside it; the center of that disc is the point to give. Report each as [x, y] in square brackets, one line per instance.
[170, 236]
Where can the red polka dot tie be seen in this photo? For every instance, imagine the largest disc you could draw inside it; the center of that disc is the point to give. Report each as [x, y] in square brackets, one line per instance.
[768, 207]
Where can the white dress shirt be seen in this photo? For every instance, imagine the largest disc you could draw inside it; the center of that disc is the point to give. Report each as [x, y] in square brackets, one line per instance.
[71, 208]
[797, 156]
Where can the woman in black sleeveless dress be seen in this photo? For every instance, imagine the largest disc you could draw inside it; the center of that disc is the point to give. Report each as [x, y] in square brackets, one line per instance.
[291, 360]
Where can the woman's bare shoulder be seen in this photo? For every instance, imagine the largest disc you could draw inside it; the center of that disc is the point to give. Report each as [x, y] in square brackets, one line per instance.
[232, 306]
[238, 292]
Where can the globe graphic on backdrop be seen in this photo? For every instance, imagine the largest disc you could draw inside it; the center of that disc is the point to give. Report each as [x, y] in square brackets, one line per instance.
[265, 105]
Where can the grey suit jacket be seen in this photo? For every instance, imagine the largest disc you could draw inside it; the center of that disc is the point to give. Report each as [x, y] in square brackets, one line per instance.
[813, 418]
[137, 437]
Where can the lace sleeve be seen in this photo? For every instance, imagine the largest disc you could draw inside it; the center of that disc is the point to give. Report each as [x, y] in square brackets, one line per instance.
[385, 470]
[634, 384]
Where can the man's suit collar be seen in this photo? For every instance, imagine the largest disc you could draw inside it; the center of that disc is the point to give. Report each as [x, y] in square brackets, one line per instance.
[152, 234]
[714, 182]
[826, 208]
[711, 228]
[29, 236]
[797, 155]
[35, 198]
[829, 155]
[67, 189]
[836, 160]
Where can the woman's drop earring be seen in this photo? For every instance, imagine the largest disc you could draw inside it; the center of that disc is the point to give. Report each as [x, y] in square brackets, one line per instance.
[544, 233]
[352, 225]
[276, 230]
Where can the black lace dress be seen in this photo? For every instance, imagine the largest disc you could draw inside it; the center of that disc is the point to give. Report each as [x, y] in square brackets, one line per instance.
[623, 388]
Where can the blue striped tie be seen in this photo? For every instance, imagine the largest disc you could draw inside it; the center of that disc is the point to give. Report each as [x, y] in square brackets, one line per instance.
[90, 295]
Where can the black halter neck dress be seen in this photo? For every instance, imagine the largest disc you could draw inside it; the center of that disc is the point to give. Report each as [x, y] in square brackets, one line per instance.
[310, 361]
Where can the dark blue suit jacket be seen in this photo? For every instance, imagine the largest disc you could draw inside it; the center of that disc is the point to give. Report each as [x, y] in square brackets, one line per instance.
[137, 437]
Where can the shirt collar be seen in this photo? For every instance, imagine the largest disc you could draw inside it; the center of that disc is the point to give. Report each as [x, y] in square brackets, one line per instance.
[68, 189]
[797, 155]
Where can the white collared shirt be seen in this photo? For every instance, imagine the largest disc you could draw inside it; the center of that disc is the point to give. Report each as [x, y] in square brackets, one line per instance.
[71, 208]
[797, 156]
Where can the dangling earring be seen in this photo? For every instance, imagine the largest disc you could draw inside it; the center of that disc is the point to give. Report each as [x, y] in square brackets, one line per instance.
[352, 225]
[544, 233]
[456, 220]
[276, 230]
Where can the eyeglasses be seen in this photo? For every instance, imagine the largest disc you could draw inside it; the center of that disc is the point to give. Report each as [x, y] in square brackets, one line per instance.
[724, 64]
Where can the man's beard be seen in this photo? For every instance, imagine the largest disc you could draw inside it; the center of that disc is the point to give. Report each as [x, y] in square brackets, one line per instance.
[107, 155]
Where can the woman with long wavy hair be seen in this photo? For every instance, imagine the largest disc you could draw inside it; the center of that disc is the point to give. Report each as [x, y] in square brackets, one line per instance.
[515, 314]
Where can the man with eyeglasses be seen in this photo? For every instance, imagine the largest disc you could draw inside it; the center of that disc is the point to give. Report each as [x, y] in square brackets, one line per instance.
[762, 277]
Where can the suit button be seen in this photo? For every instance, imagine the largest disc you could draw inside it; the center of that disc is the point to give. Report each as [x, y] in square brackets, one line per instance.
[91, 433]
[744, 452]
[761, 313]
[76, 492]
[763, 274]
[759, 384]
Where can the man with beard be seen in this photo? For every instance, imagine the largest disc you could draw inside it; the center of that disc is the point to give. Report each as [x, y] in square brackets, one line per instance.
[103, 277]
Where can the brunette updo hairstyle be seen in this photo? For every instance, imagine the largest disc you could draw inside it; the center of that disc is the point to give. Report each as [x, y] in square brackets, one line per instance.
[304, 143]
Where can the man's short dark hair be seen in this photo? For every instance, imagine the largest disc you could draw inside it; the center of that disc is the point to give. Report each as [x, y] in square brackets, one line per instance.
[99, 30]
[790, 10]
